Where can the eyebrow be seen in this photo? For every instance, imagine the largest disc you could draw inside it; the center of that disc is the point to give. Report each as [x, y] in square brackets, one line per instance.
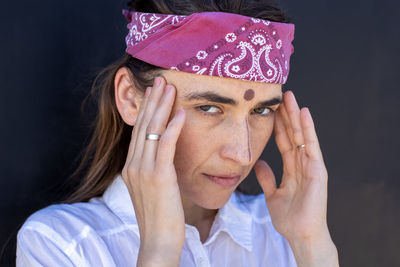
[213, 97]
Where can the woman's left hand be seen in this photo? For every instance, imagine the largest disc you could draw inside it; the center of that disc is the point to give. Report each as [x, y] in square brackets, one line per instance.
[298, 207]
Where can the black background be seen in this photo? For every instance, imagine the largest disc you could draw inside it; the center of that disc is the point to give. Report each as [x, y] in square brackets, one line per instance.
[345, 69]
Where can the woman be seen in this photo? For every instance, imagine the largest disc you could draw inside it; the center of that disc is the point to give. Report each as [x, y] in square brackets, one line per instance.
[183, 118]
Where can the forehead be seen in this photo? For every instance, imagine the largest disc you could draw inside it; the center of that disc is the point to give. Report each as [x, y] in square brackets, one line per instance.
[187, 83]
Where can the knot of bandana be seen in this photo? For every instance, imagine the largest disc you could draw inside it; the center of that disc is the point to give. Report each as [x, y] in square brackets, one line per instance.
[212, 43]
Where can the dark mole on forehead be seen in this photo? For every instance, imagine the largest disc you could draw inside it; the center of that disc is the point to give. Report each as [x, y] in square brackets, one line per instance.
[249, 94]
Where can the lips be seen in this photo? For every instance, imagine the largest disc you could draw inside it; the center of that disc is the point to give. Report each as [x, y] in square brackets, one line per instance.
[224, 180]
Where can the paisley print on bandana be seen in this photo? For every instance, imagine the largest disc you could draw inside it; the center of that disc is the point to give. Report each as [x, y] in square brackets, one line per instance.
[213, 43]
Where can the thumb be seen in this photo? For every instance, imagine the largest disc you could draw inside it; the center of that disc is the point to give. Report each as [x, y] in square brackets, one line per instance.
[265, 177]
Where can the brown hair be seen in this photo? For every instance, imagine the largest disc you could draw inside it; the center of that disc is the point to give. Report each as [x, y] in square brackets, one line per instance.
[105, 155]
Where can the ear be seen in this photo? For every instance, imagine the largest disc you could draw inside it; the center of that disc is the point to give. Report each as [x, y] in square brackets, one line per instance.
[127, 97]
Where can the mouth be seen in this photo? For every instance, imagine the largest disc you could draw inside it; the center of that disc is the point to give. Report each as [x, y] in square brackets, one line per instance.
[223, 180]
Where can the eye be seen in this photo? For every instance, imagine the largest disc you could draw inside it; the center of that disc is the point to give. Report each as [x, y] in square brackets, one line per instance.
[209, 109]
[263, 111]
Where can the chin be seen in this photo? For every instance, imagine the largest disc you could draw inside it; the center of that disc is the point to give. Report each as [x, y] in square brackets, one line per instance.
[205, 193]
[216, 202]
[212, 205]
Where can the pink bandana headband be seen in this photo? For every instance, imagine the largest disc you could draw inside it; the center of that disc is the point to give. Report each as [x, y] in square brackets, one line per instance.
[212, 43]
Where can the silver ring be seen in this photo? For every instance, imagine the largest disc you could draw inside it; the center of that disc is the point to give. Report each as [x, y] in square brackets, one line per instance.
[301, 146]
[153, 137]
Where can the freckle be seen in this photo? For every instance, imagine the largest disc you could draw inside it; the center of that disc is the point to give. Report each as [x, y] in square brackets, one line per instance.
[249, 94]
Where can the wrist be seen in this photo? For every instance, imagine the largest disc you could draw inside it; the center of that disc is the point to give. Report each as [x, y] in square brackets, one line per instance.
[159, 255]
[317, 251]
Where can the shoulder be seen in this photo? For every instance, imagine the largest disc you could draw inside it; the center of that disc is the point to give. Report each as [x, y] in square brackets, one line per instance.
[54, 234]
[71, 219]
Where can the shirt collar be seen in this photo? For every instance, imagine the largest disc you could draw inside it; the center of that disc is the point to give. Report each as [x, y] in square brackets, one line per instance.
[233, 218]
[117, 198]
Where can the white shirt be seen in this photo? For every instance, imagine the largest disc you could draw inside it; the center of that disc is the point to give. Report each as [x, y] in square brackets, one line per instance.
[104, 232]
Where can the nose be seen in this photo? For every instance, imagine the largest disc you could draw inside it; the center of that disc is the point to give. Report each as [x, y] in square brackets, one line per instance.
[237, 143]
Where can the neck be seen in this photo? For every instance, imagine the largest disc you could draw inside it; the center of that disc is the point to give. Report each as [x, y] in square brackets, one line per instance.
[195, 214]
[199, 217]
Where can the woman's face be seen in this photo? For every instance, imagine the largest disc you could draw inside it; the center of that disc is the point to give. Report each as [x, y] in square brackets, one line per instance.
[228, 124]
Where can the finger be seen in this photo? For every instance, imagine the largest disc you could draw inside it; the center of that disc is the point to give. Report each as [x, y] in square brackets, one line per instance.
[151, 105]
[137, 123]
[265, 177]
[312, 147]
[281, 135]
[286, 123]
[158, 123]
[167, 144]
[293, 112]
[284, 144]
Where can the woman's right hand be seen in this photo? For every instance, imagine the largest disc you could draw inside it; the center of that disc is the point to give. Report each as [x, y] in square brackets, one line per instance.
[150, 176]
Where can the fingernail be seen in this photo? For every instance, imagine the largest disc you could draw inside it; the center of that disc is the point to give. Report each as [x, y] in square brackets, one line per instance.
[180, 112]
[148, 90]
[168, 88]
[157, 81]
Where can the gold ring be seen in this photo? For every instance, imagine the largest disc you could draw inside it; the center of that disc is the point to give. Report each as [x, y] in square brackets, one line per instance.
[301, 146]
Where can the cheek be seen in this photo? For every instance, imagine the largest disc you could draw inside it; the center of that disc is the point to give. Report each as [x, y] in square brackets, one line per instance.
[260, 133]
[190, 148]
